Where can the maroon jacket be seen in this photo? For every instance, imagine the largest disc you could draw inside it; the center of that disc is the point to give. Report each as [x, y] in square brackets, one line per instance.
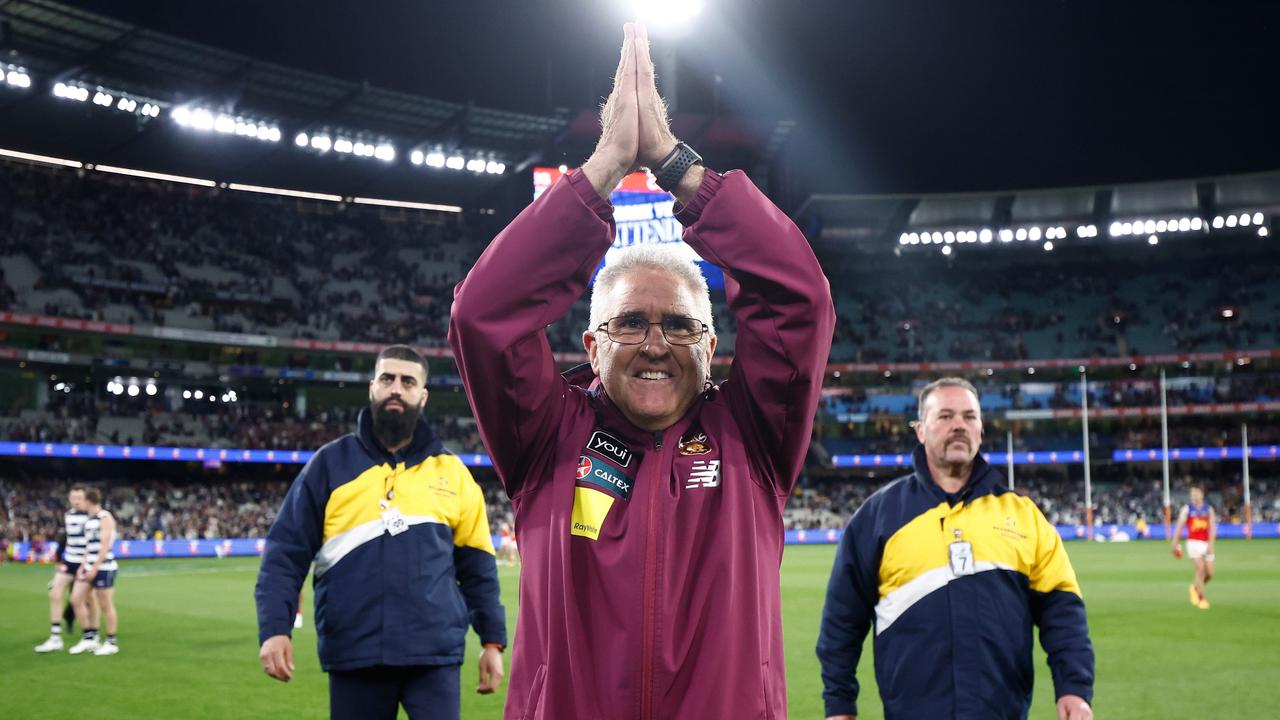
[668, 607]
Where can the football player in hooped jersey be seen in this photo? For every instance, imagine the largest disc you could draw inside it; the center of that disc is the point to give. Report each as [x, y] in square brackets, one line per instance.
[97, 575]
[71, 555]
[1202, 529]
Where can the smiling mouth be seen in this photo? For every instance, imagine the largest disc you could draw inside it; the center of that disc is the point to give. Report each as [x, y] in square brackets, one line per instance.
[653, 375]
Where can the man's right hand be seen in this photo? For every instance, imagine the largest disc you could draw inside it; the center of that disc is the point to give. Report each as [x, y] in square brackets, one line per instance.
[615, 153]
[276, 657]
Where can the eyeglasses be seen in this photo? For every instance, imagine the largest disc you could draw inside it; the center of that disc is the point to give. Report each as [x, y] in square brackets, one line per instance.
[633, 329]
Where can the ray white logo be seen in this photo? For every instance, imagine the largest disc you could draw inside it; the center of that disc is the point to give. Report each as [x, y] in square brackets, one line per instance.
[703, 474]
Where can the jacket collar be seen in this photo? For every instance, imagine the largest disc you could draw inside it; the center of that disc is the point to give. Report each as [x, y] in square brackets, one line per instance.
[983, 479]
[424, 443]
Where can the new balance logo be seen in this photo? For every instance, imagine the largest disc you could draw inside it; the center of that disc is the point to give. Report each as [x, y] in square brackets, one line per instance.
[703, 474]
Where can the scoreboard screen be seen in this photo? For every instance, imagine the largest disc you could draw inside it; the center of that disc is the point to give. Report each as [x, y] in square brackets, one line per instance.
[642, 214]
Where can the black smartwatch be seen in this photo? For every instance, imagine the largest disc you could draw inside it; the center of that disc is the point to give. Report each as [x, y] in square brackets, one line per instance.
[673, 168]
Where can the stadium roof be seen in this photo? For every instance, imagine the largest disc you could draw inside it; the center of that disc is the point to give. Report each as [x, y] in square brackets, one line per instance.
[875, 222]
[846, 97]
[55, 42]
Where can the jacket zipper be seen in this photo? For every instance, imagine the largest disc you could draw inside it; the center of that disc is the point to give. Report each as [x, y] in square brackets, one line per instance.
[650, 580]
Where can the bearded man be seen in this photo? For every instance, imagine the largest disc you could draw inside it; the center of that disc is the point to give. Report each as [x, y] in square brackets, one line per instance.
[404, 562]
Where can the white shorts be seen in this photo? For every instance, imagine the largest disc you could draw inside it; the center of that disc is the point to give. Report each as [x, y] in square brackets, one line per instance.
[1198, 549]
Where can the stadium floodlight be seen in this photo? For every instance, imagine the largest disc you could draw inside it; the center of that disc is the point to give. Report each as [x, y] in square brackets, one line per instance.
[475, 165]
[301, 140]
[133, 390]
[18, 77]
[455, 162]
[186, 394]
[284, 192]
[407, 204]
[948, 237]
[1257, 218]
[670, 15]
[1162, 226]
[1006, 235]
[1021, 234]
[202, 119]
[1048, 246]
[984, 235]
[493, 167]
[342, 145]
[1217, 222]
[1228, 313]
[914, 238]
[154, 175]
[415, 157]
[563, 169]
[385, 152]
[902, 239]
[435, 160]
[1244, 220]
[1263, 232]
[1033, 234]
[1116, 229]
[47, 159]
[321, 143]
[1196, 223]
[1184, 224]
[1231, 221]
[103, 99]
[199, 394]
[1149, 226]
[224, 124]
[946, 250]
[1153, 240]
[152, 389]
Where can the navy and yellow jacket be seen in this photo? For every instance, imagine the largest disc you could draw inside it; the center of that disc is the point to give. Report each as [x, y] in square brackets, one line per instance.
[946, 645]
[382, 599]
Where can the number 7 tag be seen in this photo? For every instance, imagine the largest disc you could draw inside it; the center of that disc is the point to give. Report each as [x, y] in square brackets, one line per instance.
[961, 558]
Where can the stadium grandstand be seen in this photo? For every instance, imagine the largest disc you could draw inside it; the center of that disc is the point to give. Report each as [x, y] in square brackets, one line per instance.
[202, 250]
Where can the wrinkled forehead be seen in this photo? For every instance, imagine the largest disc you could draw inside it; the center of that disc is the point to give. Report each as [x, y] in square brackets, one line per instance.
[951, 398]
[651, 292]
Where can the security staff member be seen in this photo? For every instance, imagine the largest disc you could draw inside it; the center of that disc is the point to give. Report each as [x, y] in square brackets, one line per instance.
[953, 568]
[403, 558]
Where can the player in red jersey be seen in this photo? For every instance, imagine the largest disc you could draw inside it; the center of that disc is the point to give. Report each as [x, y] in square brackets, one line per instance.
[508, 552]
[1202, 528]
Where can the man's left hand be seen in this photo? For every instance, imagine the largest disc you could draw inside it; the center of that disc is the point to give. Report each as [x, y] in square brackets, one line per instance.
[87, 574]
[1073, 707]
[490, 670]
[656, 140]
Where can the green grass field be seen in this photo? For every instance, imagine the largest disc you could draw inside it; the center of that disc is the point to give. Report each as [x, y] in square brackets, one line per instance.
[189, 642]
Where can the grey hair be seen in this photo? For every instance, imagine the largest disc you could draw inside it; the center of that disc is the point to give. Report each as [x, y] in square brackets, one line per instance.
[941, 383]
[662, 257]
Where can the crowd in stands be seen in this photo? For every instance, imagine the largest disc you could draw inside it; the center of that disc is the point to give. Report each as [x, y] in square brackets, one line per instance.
[856, 398]
[156, 253]
[243, 425]
[31, 509]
